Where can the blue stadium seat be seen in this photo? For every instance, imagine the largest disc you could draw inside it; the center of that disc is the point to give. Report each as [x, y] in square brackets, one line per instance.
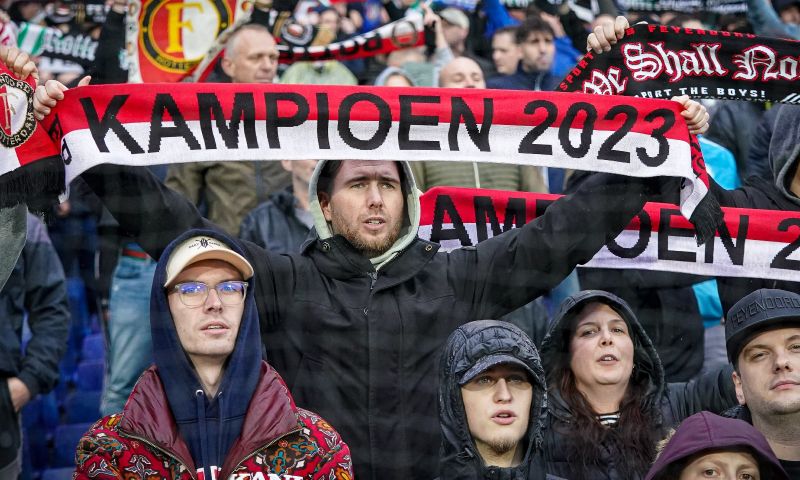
[58, 473]
[65, 443]
[82, 406]
[89, 375]
[93, 347]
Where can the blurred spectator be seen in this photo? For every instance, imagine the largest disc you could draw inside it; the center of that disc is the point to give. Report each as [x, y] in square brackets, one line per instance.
[767, 22]
[456, 28]
[762, 334]
[231, 189]
[394, 77]
[491, 392]
[535, 38]
[506, 53]
[608, 401]
[37, 290]
[27, 11]
[709, 446]
[281, 224]
[329, 72]
[731, 126]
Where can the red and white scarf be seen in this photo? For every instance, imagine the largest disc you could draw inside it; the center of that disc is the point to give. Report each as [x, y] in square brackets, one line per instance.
[749, 243]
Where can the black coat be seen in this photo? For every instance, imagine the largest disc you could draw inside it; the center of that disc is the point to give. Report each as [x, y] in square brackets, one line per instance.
[273, 225]
[359, 346]
[665, 403]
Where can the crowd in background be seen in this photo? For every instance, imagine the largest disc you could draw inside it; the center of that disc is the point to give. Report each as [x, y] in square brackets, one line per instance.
[82, 321]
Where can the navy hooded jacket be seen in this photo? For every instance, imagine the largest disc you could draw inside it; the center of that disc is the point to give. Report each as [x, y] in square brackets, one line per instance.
[209, 426]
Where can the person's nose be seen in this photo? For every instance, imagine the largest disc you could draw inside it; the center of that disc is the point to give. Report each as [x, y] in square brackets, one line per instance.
[783, 361]
[502, 393]
[605, 337]
[213, 303]
[374, 196]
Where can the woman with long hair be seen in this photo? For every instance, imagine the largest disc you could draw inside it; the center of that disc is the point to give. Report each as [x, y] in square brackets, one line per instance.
[608, 402]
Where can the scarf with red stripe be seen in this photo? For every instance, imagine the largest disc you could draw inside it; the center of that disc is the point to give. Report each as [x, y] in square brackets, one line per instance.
[159, 123]
[749, 243]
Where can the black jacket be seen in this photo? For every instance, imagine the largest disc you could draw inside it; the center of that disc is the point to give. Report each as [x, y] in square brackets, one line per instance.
[273, 225]
[666, 404]
[37, 288]
[359, 345]
[469, 344]
[784, 158]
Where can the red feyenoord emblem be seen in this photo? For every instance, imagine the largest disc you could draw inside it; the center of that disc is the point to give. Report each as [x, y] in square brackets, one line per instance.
[16, 102]
[404, 34]
[175, 35]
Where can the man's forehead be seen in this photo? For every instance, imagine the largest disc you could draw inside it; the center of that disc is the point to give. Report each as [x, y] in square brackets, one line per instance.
[773, 337]
[352, 168]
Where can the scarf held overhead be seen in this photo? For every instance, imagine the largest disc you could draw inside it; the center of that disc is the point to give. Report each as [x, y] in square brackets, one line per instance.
[166, 123]
[749, 243]
[656, 61]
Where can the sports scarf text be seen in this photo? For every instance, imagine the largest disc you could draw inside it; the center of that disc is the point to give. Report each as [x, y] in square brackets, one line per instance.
[749, 243]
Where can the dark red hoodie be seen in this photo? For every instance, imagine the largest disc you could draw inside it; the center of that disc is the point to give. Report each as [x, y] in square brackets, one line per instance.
[705, 432]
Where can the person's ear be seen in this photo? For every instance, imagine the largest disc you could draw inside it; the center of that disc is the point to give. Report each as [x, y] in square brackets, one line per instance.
[737, 384]
[325, 205]
[227, 66]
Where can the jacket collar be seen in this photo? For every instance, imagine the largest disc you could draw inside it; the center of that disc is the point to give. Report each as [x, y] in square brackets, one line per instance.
[270, 415]
[336, 258]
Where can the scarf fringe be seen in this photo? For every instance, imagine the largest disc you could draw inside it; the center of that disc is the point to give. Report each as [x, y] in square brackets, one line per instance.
[37, 184]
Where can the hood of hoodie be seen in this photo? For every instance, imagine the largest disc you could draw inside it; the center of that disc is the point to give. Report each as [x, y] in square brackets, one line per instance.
[555, 349]
[474, 342]
[706, 432]
[408, 232]
[784, 149]
[209, 426]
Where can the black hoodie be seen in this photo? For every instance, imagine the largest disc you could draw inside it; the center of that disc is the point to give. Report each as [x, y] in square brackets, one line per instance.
[466, 346]
[665, 404]
[784, 158]
[209, 426]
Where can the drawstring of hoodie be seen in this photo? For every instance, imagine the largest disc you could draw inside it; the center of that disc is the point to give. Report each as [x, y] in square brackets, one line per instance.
[201, 424]
[223, 426]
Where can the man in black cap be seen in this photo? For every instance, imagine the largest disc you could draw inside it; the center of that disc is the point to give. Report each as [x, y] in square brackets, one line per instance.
[762, 335]
[491, 393]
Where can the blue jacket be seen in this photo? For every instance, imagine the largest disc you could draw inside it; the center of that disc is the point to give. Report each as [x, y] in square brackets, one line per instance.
[522, 80]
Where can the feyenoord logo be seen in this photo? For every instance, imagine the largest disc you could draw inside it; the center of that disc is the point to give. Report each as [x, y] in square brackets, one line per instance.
[16, 102]
[404, 34]
[175, 35]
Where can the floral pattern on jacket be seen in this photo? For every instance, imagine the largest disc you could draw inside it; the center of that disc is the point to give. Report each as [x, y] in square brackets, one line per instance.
[307, 447]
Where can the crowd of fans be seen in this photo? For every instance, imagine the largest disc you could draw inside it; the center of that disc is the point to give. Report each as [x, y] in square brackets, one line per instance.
[594, 374]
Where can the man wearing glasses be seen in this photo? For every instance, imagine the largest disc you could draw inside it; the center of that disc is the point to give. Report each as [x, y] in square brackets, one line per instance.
[210, 407]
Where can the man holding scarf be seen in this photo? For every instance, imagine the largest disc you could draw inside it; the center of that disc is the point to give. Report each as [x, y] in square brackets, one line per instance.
[356, 320]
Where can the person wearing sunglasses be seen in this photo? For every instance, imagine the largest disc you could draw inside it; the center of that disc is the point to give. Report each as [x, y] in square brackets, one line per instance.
[209, 407]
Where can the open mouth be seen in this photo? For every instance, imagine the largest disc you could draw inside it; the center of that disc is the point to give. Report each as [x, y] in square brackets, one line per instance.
[608, 358]
[504, 418]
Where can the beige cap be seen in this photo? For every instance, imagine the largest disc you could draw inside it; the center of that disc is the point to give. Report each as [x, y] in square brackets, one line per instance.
[455, 16]
[200, 248]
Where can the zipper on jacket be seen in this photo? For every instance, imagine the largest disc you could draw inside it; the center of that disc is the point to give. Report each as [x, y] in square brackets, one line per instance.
[266, 445]
[373, 277]
[162, 450]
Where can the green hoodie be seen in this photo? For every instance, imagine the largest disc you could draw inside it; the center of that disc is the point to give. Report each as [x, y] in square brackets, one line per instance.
[410, 224]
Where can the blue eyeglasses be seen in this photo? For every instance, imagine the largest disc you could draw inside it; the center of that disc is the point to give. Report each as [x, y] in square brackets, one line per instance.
[194, 294]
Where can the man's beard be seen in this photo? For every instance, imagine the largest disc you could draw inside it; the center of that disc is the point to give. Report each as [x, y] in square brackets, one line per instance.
[500, 446]
[369, 247]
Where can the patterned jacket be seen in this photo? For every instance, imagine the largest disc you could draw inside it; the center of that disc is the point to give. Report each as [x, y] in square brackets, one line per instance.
[278, 442]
